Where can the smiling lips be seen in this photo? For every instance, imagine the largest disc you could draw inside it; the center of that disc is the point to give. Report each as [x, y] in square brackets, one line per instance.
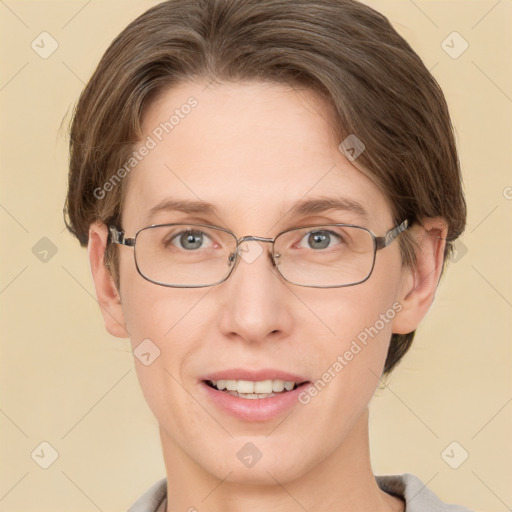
[253, 383]
[253, 389]
[253, 395]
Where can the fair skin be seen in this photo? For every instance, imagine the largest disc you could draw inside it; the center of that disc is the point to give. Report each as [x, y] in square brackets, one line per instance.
[251, 149]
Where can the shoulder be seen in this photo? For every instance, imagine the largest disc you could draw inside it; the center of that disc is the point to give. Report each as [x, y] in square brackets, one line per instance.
[417, 496]
[153, 500]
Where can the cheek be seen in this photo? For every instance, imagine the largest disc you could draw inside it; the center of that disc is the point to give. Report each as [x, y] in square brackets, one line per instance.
[362, 313]
[350, 355]
[362, 341]
[148, 309]
[164, 328]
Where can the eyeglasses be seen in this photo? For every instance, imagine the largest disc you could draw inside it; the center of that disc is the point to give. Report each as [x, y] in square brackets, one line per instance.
[199, 255]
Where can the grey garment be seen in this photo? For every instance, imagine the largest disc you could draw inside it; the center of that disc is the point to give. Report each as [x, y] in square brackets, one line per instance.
[417, 497]
[153, 500]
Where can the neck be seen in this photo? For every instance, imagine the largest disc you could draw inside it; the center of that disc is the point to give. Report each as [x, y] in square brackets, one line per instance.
[342, 481]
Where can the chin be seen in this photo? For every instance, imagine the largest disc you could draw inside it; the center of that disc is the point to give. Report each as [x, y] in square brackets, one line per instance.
[282, 471]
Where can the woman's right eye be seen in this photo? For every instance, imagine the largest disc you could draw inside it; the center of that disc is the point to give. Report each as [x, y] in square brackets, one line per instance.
[188, 240]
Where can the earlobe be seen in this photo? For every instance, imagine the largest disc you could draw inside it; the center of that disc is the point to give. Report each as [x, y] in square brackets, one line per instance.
[419, 283]
[106, 291]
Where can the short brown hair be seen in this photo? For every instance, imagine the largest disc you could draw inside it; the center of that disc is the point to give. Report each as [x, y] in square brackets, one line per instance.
[346, 52]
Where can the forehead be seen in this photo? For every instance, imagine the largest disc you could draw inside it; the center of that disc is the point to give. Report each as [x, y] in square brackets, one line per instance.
[251, 150]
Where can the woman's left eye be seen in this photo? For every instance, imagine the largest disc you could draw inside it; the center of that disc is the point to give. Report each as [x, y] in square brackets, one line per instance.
[320, 239]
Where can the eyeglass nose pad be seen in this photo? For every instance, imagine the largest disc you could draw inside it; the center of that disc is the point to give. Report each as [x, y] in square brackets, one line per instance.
[232, 258]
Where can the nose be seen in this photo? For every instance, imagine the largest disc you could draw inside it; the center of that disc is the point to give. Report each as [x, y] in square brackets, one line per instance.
[254, 302]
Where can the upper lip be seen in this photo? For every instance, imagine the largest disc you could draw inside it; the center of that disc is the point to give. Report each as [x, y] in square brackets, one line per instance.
[254, 375]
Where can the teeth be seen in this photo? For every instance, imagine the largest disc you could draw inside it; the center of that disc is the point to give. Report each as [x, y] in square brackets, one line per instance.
[248, 387]
[251, 396]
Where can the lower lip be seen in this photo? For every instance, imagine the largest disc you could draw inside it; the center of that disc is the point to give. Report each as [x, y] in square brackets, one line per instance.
[257, 409]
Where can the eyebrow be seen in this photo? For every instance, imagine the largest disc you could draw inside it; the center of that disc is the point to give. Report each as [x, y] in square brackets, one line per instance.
[169, 205]
[297, 208]
[323, 204]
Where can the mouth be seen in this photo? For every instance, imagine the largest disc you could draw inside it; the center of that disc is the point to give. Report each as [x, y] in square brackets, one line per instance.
[253, 395]
[253, 390]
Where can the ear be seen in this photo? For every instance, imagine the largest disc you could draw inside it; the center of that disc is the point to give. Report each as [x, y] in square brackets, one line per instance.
[106, 290]
[419, 283]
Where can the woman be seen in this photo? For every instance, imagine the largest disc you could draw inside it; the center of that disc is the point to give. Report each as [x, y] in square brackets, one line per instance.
[268, 192]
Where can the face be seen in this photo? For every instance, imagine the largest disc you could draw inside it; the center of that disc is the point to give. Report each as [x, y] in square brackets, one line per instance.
[252, 149]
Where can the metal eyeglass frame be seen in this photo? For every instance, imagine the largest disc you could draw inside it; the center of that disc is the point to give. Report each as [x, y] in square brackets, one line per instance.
[379, 242]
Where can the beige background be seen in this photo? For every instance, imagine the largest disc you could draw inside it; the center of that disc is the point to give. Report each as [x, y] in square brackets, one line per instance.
[65, 381]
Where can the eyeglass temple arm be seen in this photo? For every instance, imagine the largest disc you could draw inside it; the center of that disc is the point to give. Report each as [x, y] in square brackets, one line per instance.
[384, 241]
[117, 237]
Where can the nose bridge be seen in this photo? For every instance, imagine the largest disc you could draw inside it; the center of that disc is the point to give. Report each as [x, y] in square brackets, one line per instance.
[256, 238]
[255, 305]
[252, 253]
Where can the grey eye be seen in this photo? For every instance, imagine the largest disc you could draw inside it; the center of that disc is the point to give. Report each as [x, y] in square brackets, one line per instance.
[189, 240]
[321, 239]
